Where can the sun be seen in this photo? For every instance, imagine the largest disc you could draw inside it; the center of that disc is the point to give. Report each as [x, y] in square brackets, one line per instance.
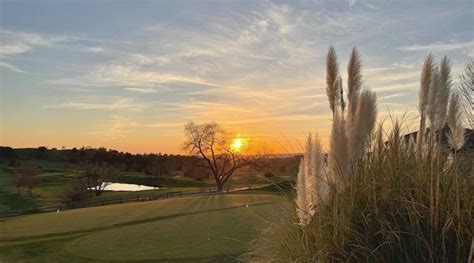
[237, 144]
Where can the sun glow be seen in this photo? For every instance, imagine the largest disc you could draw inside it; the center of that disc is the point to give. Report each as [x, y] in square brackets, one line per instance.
[237, 144]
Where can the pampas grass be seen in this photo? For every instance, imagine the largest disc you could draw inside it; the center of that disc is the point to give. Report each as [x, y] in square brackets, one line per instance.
[332, 76]
[305, 186]
[363, 124]
[466, 89]
[455, 123]
[354, 84]
[425, 83]
[311, 184]
[382, 215]
[391, 205]
[442, 97]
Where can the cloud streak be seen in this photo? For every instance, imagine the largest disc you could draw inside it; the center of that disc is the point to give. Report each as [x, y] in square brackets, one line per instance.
[120, 104]
[448, 46]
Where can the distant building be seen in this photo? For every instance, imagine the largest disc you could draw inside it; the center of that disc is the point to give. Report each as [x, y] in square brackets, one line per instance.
[466, 153]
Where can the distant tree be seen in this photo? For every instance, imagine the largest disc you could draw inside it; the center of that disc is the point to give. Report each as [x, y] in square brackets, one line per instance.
[158, 166]
[76, 193]
[99, 176]
[195, 168]
[210, 142]
[18, 180]
[27, 176]
[7, 152]
[40, 152]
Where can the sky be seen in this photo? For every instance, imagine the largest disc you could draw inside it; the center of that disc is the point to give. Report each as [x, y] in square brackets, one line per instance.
[128, 75]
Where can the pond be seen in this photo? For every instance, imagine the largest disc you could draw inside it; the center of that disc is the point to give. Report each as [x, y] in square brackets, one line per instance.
[127, 187]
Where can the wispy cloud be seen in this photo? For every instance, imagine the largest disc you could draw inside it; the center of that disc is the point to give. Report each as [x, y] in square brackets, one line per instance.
[120, 104]
[406, 86]
[166, 125]
[447, 46]
[116, 128]
[142, 90]
[11, 67]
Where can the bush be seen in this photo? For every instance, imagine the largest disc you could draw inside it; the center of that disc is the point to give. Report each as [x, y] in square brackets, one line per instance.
[77, 193]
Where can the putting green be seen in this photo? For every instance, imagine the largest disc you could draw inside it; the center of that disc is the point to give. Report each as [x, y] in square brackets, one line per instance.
[183, 229]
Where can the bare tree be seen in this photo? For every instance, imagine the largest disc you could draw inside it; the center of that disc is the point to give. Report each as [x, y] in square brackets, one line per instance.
[210, 142]
[27, 176]
[76, 193]
[99, 176]
[18, 180]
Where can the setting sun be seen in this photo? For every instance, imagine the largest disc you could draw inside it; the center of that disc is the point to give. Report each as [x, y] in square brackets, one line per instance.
[237, 144]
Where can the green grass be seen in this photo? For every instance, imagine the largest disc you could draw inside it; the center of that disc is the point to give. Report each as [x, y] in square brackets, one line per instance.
[56, 178]
[203, 228]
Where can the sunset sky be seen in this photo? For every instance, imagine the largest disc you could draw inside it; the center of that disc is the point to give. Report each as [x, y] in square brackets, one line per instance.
[128, 75]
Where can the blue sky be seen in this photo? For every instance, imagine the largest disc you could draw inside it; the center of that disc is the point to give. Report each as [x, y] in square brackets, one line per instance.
[129, 74]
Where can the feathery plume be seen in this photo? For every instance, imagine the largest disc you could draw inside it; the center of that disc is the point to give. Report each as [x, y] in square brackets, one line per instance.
[354, 83]
[363, 124]
[332, 74]
[338, 162]
[432, 96]
[301, 204]
[322, 187]
[455, 123]
[466, 88]
[306, 185]
[443, 93]
[425, 83]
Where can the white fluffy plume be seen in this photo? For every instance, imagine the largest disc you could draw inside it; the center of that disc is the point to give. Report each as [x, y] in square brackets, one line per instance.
[311, 186]
[363, 124]
[425, 83]
[306, 185]
[455, 122]
[354, 85]
[338, 159]
[443, 93]
[332, 76]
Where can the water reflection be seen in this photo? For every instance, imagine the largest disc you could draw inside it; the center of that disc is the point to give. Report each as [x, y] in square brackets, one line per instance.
[127, 187]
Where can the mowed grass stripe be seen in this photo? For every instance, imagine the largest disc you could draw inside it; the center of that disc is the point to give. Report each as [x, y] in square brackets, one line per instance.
[206, 234]
[94, 218]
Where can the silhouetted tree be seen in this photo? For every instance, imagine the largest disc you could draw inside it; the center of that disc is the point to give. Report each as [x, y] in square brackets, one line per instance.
[99, 176]
[27, 176]
[210, 142]
[76, 193]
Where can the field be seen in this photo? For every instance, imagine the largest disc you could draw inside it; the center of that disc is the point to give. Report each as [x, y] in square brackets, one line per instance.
[202, 228]
[205, 228]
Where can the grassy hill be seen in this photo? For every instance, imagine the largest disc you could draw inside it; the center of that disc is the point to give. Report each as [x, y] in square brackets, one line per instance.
[203, 228]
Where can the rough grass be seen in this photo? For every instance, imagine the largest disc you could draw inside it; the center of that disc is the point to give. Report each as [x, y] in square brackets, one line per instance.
[195, 228]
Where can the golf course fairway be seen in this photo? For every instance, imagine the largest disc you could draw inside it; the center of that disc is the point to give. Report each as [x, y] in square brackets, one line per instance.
[208, 228]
